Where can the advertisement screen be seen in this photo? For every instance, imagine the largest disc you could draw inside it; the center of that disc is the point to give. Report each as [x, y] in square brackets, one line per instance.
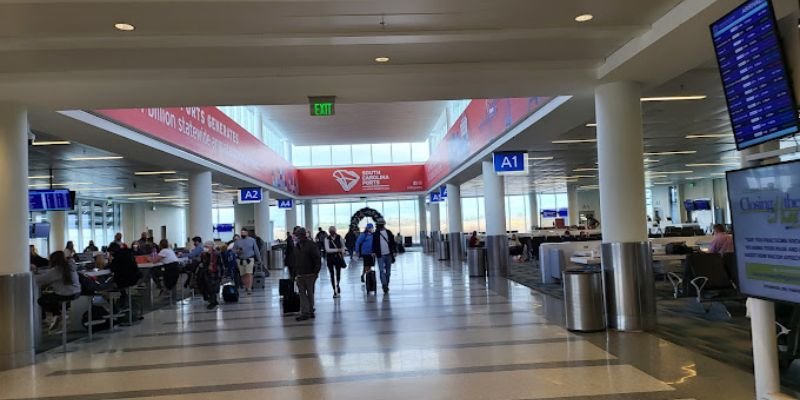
[765, 206]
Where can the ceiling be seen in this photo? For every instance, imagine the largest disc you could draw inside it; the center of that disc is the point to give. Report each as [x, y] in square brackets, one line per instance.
[399, 122]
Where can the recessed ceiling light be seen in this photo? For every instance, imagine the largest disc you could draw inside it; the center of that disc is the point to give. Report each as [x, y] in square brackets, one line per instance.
[382, 59]
[671, 153]
[125, 27]
[708, 136]
[591, 125]
[176, 179]
[662, 183]
[40, 177]
[674, 98]
[101, 188]
[585, 169]
[672, 172]
[582, 177]
[718, 174]
[97, 158]
[713, 165]
[146, 173]
[540, 158]
[584, 18]
[573, 141]
[60, 184]
[135, 194]
[51, 143]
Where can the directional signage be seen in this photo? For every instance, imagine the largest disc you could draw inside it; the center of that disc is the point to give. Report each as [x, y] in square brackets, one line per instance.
[285, 203]
[511, 162]
[761, 102]
[436, 197]
[250, 195]
[443, 191]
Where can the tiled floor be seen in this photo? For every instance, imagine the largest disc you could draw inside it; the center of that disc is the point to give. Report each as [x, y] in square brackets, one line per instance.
[437, 335]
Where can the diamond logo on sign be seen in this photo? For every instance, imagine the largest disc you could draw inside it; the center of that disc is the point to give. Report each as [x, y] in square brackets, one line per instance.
[347, 179]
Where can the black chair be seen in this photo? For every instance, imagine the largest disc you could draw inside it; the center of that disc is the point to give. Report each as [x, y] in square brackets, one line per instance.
[729, 259]
[711, 282]
[536, 243]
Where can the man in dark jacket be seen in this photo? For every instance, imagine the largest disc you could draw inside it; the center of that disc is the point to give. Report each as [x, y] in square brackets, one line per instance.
[307, 264]
[123, 266]
[350, 241]
[384, 248]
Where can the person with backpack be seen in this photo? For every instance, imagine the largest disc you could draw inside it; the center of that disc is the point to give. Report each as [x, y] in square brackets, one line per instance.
[364, 249]
[334, 251]
[208, 274]
[384, 248]
[307, 264]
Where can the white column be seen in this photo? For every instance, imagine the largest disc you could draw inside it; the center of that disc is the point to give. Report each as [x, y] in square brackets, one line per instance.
[423, 219]
[534, 210]
[16, 297]
[308, 213]
[58, 230]
[620, 148]
[200, 207]
[436, 225]
[261, 216]
[495, 212]
[573, 208]
[291, 218]
[455, 224]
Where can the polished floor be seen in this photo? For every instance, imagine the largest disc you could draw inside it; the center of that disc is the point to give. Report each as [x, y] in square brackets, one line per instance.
[437, 335]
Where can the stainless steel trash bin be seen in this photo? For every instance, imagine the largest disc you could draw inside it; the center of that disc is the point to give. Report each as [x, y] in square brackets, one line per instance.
[276, 258]
[476, 261]
[443, 250]
[583, 300]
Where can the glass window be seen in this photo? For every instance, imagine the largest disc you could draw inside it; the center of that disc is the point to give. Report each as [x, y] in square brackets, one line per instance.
[73, 231]
[327, 216]
[408, 219]
[401, 153]
[391, 213]
[301, 156]
[382, 153]
[469, 213]
[343, 214]
[86, 225]
[420, 151]
[362, 154]
[340, 155]
[515, 210]
[320, 155]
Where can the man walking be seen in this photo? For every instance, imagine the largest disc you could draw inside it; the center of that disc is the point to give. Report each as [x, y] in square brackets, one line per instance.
[384, 247]
[307, 264]
[246, 250]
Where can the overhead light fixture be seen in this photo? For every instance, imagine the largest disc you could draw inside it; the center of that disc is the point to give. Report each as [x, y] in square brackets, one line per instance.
[148, 173]
[713, 165]
[673, 98]
[382, 59]
[582, 177]
[540, 158]
[584, 18]
[662, 183]
[124, 26]
[650, 161]
[591, 125]
[135, 194]
[101, 188]
[35, 185]
[95, 158]
[672, 172]
[176, 179]
[585, 169]
[51, 142]
[718, 174]
[40, 177]
[694, 178]
[708, 136]
[671, 153]
[172, 198]
[732, 157]
[574, 141]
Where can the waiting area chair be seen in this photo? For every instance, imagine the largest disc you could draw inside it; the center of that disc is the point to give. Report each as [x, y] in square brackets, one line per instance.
[712, 284]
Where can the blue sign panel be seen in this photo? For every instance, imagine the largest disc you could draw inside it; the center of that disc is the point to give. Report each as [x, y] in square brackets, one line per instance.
[436, 197]
[761, 102]
[221, 228]
[563, 212]
[549, 213]
[250, 195]
[285, 203]
[510, 162]
[443, 191]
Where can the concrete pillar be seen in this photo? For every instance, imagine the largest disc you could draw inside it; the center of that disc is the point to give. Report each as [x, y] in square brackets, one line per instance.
[291, 219]
[423, 220]
[200, 207]
[533, 202]
[436, 226]
[308, 220]
[58, 231]
[495, 212]
[573, 208]
[261, 216]
[455, 224]
[16, 286]
[627, 259]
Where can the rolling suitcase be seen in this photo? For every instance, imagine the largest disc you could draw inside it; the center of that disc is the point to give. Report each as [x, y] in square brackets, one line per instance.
[372, 282]
[291, 303]
[285, 286]
[230, 293]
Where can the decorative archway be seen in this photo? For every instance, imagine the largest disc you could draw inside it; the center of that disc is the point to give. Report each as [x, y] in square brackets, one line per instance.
[364, 213]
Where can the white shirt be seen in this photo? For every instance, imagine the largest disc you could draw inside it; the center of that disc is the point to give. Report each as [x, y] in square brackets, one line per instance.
[167, 256]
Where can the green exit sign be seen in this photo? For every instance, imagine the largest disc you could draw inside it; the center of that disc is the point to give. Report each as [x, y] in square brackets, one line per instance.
[322, 106]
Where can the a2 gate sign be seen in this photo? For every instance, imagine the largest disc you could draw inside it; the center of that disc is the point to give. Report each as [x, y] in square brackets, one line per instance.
[510, 162]
[286, 203]
[436, 197]
[250, 195]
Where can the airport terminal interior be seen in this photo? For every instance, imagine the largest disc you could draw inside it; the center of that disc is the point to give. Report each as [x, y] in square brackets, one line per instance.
[373, 199]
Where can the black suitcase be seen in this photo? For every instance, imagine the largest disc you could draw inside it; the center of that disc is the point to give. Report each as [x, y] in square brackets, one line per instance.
[230, 294]
[285, 286]
[372, 283]
[291, 303]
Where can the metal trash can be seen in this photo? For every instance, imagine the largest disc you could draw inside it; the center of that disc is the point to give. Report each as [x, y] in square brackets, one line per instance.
[443, 250]
[476, 261]
[276, 258]
[583, 300]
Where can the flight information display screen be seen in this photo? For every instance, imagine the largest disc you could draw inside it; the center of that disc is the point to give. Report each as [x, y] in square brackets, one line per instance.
[761, 102]
[50, 200]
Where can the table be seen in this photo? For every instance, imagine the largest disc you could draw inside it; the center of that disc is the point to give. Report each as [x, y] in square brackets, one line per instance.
[658, 258]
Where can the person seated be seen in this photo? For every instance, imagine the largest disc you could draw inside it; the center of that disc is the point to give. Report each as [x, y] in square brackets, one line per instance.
[474, 240]
[69, 250]
[59, 284]
[515, 248]
[123, 266]
[168, 270]
[722, 242]
[91, 248]
[36, 260]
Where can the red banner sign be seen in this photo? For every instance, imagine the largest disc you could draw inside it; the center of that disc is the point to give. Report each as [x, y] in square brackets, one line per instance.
[209, 133]
[482, 122]
[361, 180]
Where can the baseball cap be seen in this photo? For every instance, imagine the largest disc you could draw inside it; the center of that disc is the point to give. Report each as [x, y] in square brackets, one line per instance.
[370, 226]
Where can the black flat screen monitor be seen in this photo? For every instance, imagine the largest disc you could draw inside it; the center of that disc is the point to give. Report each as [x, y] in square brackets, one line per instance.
[51, 200]
[765, 206]
[761, 101]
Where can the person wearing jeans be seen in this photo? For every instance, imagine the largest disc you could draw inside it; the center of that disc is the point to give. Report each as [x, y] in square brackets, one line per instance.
[307, 264]
[384, 248]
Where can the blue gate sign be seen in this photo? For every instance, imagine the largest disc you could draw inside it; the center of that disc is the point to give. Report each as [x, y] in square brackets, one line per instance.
[436, 197]
[549, 213]
[285, 203]
[250, 195]
[510, 162]
[443, 191]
